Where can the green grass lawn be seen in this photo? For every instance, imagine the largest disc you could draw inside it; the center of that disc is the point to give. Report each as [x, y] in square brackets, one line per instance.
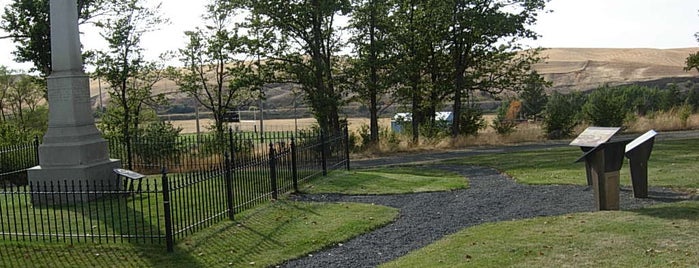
[394, 180]
[261, 237]
[672, 164]
[661, 236]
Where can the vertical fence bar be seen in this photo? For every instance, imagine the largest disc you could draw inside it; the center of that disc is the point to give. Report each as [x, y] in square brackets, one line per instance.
[323, 156]
[347, 147]
[36, 149]
[273, 170]
[294, 166]
[229, 187]
[169, 241]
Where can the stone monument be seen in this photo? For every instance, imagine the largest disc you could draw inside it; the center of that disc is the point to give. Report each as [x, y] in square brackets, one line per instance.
[73, 149]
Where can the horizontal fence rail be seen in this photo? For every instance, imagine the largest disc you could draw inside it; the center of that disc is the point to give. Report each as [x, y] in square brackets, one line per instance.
[191, 183]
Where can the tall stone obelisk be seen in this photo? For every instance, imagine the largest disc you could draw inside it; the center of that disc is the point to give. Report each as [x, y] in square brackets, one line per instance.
[73, 149]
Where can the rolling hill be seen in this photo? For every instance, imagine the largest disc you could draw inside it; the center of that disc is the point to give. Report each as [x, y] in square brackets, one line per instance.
[568, 69]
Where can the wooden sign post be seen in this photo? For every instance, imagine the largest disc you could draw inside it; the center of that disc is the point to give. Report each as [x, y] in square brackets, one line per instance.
[638, 151]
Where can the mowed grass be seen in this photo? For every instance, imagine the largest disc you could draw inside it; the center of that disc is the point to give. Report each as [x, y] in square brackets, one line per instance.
[664, 235]
[394, 180]
[672, 164]
[661, 236]
[260, 237]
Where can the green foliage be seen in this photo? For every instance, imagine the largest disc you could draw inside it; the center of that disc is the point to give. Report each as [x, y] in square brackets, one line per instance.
[562, 114]
[217, 72]
[303, 41]
[692, 62]
[472, 120]
[534, 97]
[159, 143]
[606, 107]
[27, 22]
[502, 124]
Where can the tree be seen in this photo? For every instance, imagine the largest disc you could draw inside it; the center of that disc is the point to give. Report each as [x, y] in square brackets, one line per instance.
[606, 107]
[123, 67]
[304, 47]
[693, 59]
[23, 98]
[6, 81]
[217, 72]
[372, 29]
[486, 55]
[534, 96]
[562, 114]
[27, 22]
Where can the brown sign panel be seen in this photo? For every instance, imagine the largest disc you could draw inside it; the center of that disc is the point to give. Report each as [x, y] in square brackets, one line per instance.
[594, 136]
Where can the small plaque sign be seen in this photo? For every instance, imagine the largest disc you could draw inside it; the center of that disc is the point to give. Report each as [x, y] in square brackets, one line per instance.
[640, 140]
[128, 173]
[594, 136]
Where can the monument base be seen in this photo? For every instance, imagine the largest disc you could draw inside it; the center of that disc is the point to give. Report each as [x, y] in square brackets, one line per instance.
[606, 190]
[73, 184]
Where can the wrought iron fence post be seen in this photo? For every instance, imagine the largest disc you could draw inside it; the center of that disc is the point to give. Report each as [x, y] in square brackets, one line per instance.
[273, 170]
[169, 239]
[294, 168]
[231, 147]
[36, 148]
[323, 156]
[229, 188]
[347, 147]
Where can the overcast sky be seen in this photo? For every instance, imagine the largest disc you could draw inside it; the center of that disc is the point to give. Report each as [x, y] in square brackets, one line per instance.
[573, 23]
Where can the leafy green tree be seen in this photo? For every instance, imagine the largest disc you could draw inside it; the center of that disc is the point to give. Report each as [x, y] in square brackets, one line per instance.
[412, 49]
[27, 22]
[23, 98]
[503, 124]
[123, 66]
[606, 107]
[6, 80]
[562, 114]
[693, 58]
[305, 45]
[483, 40]
[372, 29]
[216, 71]
[533, 96]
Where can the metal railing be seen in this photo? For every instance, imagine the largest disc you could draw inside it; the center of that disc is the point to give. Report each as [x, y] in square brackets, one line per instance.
[198, 185]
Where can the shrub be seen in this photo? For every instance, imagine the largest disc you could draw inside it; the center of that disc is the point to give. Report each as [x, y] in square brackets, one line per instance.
[471, 120]
[504, 122]
[606, 107]
[158, 143]
[562, 114]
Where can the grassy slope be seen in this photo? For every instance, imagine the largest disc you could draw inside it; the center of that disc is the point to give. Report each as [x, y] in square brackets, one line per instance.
[672, 164]
[263, 236]
[387, 181]
[660, 236]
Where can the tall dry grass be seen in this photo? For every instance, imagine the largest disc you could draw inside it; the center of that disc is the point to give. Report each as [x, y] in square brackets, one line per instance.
[525, 132]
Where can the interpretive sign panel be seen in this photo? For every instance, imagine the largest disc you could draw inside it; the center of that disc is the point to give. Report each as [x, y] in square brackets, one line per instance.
[640, 140]
[594, 136]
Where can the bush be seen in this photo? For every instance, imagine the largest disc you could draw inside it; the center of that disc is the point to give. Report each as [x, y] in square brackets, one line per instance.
[471, 120]
[606, 107]
[562, 114]
[504, 124]
[158, 143]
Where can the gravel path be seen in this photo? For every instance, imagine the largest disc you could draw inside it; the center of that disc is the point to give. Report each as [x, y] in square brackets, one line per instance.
[427, 217]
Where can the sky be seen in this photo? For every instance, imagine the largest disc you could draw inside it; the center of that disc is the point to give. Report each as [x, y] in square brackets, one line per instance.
[572, 23]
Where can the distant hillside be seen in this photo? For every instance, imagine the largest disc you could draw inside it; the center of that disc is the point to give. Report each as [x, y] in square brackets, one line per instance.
[588, 68]
[568, 69]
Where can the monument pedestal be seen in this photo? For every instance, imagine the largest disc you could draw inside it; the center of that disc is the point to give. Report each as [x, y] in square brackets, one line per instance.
[73, 184]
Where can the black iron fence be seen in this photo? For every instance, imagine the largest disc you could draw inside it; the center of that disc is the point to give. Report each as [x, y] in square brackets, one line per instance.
[15, 160]
[200, 181]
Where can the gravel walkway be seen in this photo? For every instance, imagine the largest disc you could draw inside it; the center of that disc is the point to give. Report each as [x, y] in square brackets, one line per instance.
[427, 217]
